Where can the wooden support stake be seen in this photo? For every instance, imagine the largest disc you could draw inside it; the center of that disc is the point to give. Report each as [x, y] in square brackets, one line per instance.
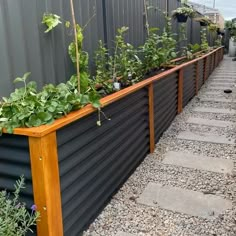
[151, 117]
[180, 90]
[197, 77]
[46, 184]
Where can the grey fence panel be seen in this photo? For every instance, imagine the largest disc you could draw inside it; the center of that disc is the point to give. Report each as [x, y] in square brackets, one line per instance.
[157, 14]
[25, 47]
[196, 32]
[95, 161]
[125, 13]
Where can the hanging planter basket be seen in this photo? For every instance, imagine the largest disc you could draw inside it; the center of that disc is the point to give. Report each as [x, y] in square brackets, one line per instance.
[181, 18]
[202, 23]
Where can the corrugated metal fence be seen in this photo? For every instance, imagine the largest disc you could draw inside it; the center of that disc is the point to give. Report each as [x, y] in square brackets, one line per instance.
[24, 46]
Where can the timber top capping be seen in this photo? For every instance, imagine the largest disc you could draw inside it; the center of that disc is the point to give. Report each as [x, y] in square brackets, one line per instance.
[76, 115]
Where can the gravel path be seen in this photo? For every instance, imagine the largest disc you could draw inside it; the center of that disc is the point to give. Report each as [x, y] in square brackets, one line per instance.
[124, 214]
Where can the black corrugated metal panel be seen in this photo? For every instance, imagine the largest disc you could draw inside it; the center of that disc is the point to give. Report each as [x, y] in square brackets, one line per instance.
[14, 162]
[95, 161]
[165, 103]
[189, 83]
[201, 73]
[207, 68]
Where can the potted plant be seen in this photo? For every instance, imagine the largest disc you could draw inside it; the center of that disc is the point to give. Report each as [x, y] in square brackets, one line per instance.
[182, 13]
[204, 21]
[213, 28]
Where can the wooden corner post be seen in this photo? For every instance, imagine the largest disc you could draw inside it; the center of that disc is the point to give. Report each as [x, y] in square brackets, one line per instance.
[46, 184]
[180, 90]
[151, 117]
[197, 77]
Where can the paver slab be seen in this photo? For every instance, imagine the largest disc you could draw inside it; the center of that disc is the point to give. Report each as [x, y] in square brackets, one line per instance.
[214, 110]
[223, 80]
[224, 83]
[189, 160]
[184, 201]
[205, 137]
[123, 234]
[218, 87]
[208, 122]
[213, 93]
[223, 100]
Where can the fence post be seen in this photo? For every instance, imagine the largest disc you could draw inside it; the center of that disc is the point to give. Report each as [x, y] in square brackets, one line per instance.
[46, 184]
[151, 117]
[197, 77]
[180, 90]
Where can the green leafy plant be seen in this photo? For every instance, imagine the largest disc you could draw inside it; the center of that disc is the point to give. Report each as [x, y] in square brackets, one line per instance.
[204, 21]
[213, 28]
[103, 72]
[51, 21]
[194, 48]
[126, 64]
[218, 42]
[26, 107]
[167, 43]
[185, 10]
[15, 219]
[204, 41]
[151, 52]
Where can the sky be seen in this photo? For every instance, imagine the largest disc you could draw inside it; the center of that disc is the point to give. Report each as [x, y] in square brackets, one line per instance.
[226, 7]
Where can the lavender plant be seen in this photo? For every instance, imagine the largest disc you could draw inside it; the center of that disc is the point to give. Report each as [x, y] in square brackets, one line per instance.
[15, 219]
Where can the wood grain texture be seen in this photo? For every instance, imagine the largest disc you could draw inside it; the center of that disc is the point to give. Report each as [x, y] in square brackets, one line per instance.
[73, 116]
[180, 90]
[151, 117]
[46, 184]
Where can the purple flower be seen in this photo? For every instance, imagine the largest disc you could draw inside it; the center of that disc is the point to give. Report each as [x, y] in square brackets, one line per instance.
[33, 208]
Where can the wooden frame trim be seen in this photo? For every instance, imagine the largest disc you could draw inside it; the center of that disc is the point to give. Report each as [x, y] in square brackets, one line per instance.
[73, 116]
[46, 184]
[151, 117]
[180, 90]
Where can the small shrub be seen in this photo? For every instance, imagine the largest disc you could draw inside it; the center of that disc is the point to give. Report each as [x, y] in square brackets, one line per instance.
[15, 220]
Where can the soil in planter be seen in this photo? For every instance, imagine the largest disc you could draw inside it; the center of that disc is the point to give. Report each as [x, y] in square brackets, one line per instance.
[153, 72]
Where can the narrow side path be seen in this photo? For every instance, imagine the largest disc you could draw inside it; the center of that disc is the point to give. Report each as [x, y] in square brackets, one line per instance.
[188, 186]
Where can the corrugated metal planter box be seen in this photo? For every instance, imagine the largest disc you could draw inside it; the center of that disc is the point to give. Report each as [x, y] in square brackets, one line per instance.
[73, 167]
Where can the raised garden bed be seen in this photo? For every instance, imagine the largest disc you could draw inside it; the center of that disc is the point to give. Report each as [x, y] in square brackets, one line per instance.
[73, 167]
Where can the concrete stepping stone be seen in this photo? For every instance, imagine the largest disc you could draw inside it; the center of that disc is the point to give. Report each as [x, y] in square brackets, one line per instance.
[189, 160]
[207, 122]
[223, 83]
[123, 234]
[184, 201]
[213, 93]
[214, 110]
[223, 100]
[205, 137]
[222, 88]
[223, 80]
